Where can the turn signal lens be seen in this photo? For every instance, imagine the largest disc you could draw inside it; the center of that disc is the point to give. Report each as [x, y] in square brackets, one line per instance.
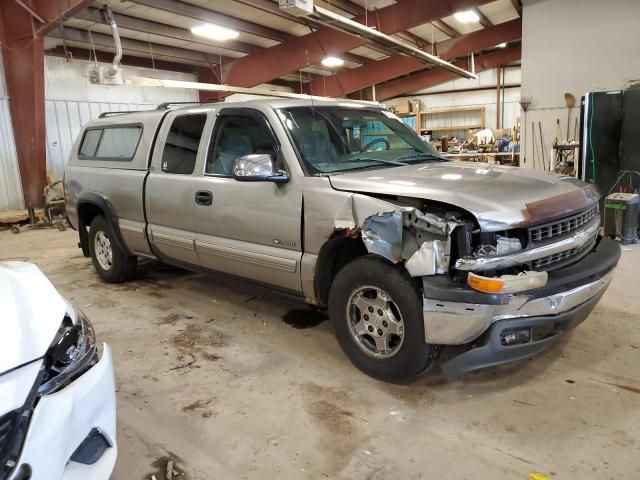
[508, 283]
[484, 284]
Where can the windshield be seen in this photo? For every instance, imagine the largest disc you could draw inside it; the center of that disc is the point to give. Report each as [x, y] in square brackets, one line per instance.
[339, 139]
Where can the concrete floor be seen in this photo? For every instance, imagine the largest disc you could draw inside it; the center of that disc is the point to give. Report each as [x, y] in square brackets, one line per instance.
[209, 373]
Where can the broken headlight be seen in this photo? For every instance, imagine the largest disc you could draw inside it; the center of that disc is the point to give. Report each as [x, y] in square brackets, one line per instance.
[503, 246]
[72, 352]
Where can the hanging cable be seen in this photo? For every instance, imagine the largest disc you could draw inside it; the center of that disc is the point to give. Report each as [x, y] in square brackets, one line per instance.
[93, 49]
[153, 62]
[324, 52]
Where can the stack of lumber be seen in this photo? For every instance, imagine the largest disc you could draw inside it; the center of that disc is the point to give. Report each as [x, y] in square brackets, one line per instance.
[17, 216]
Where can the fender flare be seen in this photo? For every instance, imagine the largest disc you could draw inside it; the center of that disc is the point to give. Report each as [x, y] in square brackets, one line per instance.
[103, 203]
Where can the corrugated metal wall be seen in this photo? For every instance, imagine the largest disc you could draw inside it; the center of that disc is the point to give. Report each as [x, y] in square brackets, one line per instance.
[10, 186]
[71, 101]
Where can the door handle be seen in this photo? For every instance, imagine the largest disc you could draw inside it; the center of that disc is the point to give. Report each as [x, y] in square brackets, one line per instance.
[204, 197]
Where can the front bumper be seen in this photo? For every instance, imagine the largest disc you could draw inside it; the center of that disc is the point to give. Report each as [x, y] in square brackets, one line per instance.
[62, 421]
[459, 315]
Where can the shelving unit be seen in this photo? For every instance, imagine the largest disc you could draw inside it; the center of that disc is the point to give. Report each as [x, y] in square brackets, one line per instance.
[418, 118]
[451, 119]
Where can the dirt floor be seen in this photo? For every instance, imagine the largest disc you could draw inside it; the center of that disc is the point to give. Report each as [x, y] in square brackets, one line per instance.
[234, 382]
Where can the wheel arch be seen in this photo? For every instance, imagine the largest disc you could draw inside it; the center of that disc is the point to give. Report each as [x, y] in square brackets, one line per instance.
[342, 247]
[89, 206]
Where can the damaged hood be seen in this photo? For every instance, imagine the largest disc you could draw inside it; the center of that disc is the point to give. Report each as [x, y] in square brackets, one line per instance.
[499, 197]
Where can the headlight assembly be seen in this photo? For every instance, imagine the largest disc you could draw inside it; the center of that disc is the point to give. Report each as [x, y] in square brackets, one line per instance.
[72, 352]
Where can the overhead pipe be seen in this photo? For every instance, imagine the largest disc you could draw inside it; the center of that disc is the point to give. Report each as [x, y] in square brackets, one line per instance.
[116, 38]
[216, 87]
[343, 24]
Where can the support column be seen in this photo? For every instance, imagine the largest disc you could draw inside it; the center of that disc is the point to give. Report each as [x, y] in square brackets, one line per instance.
[23, 57]
[498, 111]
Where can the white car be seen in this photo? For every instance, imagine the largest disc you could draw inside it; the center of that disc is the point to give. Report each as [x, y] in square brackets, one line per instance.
[57, 396]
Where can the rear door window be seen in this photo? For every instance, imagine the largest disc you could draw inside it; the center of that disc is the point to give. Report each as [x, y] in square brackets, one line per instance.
[111, 143]
[181, 147]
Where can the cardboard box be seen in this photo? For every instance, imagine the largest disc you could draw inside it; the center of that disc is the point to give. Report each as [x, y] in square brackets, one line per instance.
[403, 107]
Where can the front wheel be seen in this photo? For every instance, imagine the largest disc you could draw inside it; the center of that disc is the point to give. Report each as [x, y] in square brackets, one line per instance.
[376, 313]
[110, 261]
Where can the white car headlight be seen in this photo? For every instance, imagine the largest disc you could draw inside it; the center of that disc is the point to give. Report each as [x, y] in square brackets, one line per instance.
[72, 352]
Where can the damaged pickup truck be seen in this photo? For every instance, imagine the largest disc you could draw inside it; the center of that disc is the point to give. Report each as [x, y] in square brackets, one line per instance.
[340, 203]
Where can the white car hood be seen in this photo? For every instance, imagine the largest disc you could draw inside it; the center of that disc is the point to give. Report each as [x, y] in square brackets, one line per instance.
[31, 311]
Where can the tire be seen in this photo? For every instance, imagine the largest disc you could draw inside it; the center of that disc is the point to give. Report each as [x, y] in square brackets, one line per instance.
[352, 292]
[119, 266]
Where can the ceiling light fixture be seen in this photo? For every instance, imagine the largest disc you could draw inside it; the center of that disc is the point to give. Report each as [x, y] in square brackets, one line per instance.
[214, 32]
[467, 16]
[332, 62]
[502, 45]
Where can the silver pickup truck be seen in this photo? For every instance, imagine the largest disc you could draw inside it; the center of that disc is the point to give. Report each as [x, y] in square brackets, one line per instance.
[341, 204]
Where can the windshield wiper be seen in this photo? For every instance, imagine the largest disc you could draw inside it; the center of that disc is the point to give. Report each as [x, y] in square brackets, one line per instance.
[365, 159]
[421, 156]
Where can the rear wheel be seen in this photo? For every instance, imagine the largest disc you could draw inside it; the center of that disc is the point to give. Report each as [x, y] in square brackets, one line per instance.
[110, 261]
[376, 313]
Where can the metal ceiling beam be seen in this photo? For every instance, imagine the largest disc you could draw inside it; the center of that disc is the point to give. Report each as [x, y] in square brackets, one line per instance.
[82, 36]
[154, 28]
[78, 53]
[127, 60]
[415, 39]
[387, 69]
[429, 78]
[144, 49]
[346, 6]
[268, 6]
[202, 14]
[481, 39]
[445, 28]
[205, 15]
[343, 24]
[31, 11]
[517, 4]
[294, 54]
[484, 20]
[354, 9]
[55, 12]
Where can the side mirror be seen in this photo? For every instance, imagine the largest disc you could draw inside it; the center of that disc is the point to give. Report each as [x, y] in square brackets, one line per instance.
[257, 168]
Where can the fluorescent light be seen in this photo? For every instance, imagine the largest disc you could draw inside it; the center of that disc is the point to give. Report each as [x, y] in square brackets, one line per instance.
[467, 16]
[332, 62]
[214, 32]
[502, 45]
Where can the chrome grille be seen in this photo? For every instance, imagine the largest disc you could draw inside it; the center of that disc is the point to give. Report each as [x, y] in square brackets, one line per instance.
[544, 262]
[562, 227]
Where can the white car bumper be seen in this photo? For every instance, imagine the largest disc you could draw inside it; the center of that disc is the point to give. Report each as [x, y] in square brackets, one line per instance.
[63, 420]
